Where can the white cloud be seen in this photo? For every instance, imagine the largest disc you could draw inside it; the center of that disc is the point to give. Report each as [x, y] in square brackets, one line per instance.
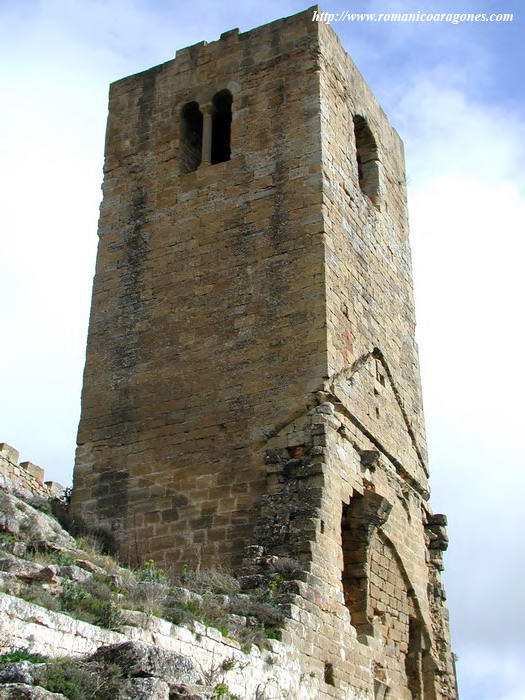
[467, 206]
[491, 676]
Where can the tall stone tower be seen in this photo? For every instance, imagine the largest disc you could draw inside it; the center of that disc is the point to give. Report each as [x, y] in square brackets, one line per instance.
[252, 377]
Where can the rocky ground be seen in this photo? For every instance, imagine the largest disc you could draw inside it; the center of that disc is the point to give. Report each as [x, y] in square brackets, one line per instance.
[44, 568]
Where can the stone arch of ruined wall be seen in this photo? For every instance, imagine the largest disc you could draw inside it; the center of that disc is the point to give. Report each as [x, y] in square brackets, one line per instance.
[310, 478]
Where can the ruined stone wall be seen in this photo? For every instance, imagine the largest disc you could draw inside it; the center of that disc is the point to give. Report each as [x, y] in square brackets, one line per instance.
[207, 323]
[24, 479]
[370, 610]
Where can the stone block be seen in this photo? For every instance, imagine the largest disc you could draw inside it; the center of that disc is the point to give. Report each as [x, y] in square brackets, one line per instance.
[19, 672]
[138, 659]
[19, 691]
[34, 470]
[145, 689]
[9, 453]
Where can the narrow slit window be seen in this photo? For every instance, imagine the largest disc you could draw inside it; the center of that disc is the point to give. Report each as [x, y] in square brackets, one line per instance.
[191, 137]
[221, 127]
[367, 159]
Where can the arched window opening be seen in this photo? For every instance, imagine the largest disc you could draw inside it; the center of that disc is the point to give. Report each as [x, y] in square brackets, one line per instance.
[221, 127]
[413, 659]
[359, 521]
[191, 137]
[355, 538]
[367, 159]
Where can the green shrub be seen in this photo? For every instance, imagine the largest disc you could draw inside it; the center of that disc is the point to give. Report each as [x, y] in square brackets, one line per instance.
[34, 593]
[92, 602]
[207, 614]
[78, 680]
[221, 691]
[150, 572]
[179, 614]
[22, 655]
[7, 538]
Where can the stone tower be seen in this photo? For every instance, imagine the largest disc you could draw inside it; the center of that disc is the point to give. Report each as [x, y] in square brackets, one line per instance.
[252, 384]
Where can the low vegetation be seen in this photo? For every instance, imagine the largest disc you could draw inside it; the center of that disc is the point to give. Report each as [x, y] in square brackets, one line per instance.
[211, 597]
[14, 657]
[84, 579]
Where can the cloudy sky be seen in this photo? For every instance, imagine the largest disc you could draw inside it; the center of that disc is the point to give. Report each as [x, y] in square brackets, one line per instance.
[455, 93]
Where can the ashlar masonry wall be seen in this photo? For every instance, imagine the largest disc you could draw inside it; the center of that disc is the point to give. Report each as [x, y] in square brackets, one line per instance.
[207, 325]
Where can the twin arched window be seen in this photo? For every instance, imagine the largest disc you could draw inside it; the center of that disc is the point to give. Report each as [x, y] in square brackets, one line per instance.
[206, 134]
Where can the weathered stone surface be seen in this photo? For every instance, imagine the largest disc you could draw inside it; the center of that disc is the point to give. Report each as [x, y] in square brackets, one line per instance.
[19, 672]
[27, 625]
[18, 549]
[89, 566]
[141, 659]
[29, 570]
[186, 692]
[183, 595]
[145, 689]
[41, 631]
[75, 573]
[22, 520]
[19, 691]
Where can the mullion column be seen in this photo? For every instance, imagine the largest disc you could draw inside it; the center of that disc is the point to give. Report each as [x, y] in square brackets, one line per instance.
[207, 124]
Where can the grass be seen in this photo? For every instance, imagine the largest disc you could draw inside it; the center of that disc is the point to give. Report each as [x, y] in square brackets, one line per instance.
[7, 538]
[152, 590]
[22, 655]
[50, 556]
[94, 601]
[78, 680]
[207, 581]
[100, 603]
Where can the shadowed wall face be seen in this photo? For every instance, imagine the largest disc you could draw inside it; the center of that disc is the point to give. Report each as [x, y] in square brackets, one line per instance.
[207, 321]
